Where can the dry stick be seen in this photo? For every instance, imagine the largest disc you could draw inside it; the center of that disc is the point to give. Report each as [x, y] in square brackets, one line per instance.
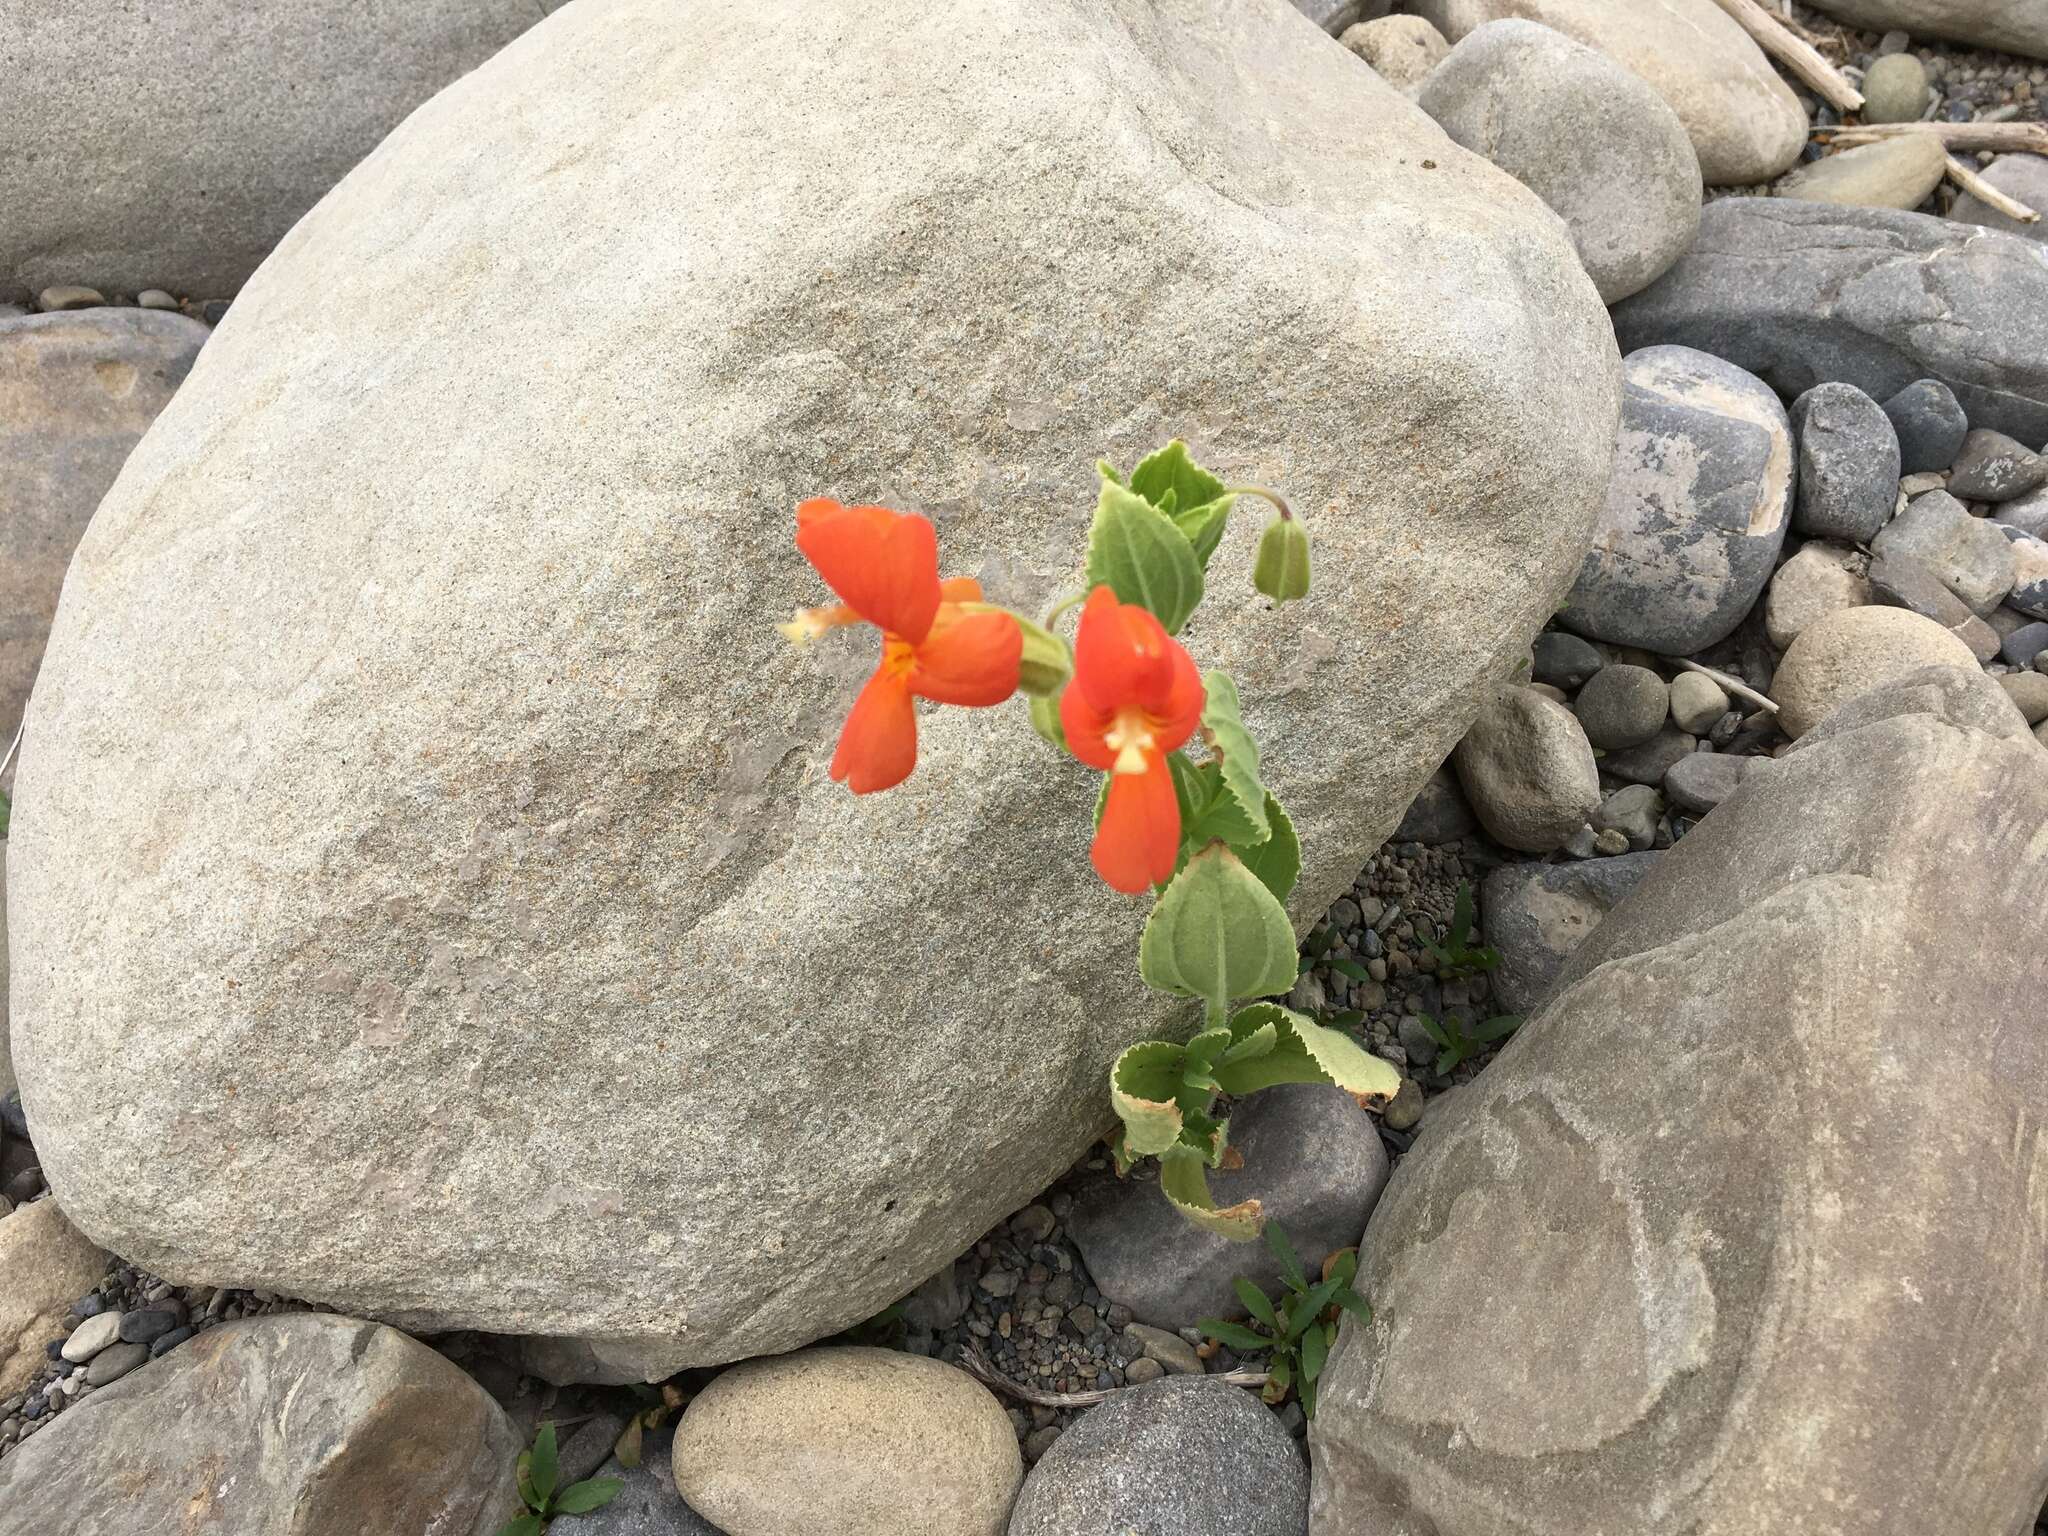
[1740, 689]
[973, 1363]
[1989, 195]
[1795, 53]
[1999, 138]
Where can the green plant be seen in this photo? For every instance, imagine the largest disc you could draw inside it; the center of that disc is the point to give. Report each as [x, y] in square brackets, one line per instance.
[1300, 1326]
[537, 1471]
[6, 810]
[1458, 955]
[1459, 1046]
[1182, 816]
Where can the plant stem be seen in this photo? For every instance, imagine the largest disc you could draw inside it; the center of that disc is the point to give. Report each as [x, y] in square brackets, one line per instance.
[1286, 513]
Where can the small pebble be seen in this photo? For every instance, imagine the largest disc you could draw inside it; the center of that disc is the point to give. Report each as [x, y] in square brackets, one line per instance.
[62, 297]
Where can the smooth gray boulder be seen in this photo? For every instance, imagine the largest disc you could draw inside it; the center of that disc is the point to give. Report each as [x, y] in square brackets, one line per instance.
[77, 391]
[1334, 16]
[1892, 173]
[1180, 1457]
[1848, 464]
[420, 675]
[1696, 510]
[1930, 424]
[1969, 554]
[1527, 770]
[1312, 1158]
[1536, 915]
[172, 146]
[310, 1423]
[1819, 580]
[1585, 135]
[2012, 26]
[1993, 467]
[1851, 652]
[1739, 1136]
[1745, 124]
[1803, 293]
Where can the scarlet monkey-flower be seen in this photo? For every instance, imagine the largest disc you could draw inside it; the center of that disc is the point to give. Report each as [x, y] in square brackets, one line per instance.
[885, 567]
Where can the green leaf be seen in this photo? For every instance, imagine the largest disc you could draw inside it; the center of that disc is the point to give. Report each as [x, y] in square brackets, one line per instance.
[542, 1469]
[1352, 969]
[1184, 1179]
[592, 1493]
[1234, 1334]
[1283, 1250]
[1218, 933]
[1144, 1089]
[1258, 1041]
[1170, 471]
[1315, 1348]
[1256, 1302]
[1282, 1374]
[1212, 814]
[1203, 526]
[1462, 913]
[1435, 1031]
[522, 1479]
[1306, 1052]
[1317, 1300]
[6, 813]
[1135, 550]
[1237, 753]
[1343, 1265]
[1355, 1304]
[1497, 1028]
[1281, 569]
[525, 1525]
[1276, 861]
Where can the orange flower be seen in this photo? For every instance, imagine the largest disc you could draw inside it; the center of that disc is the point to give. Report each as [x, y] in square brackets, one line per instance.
[1135, 697]
[885, 567]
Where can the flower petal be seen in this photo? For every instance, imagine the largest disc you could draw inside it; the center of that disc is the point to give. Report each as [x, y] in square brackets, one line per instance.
[1139, 838]
[1181, 709]
[884, 564]
[878, 744]
[1087, 729]
[1121, 654]
[959, 589]
[968, 658]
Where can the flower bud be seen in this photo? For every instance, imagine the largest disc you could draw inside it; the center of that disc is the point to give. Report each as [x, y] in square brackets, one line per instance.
[1281, 571]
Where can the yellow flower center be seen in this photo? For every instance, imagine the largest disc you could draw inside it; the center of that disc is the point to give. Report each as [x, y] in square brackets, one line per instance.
[1130, 737]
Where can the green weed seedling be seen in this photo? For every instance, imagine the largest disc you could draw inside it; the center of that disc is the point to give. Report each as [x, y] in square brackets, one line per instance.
[1298, 1328]
[1458, 955]
[1459, 1046]
[537, 1473]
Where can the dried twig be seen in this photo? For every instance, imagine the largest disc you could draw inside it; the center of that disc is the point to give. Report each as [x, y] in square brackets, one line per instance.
[1989, 195]
[1795, 53]
[1999, 138]
[1736, 686]
[972, 1362]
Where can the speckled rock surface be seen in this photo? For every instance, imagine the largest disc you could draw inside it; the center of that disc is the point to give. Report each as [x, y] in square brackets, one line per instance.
[859, 1442]
[48, 1264]
[311, 1424]
[2015, 26]
[1849, 653]
[1781, 1266]
[77, 391]
[174, 145]
[526, 807]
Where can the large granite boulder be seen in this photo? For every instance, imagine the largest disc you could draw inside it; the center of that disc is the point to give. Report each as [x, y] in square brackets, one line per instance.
[493, 951]
[2014, 26]
[1759, 1184]
[172, 146]
[1804, 293]
[1745, 123]
[77, 391]
[310, 1424]
[1697, 510]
